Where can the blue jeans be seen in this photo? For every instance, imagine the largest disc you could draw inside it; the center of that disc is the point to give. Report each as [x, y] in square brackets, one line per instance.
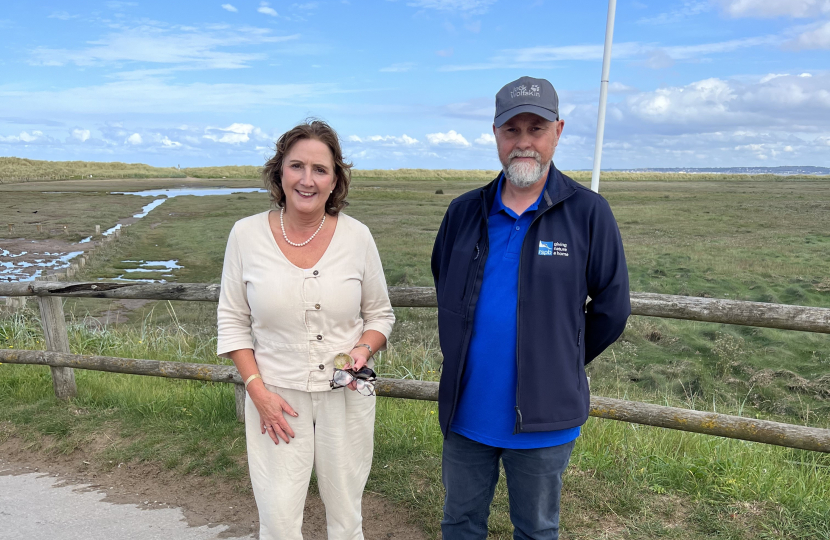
[470, 471]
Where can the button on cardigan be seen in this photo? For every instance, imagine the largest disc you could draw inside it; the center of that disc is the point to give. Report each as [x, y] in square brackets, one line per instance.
[297, 320]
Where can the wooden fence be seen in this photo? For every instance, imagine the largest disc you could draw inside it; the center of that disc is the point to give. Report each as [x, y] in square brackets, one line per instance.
[61, 362]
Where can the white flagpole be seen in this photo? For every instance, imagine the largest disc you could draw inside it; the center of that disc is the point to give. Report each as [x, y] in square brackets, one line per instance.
[603, 92]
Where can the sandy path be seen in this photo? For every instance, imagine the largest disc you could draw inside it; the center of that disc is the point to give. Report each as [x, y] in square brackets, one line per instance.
[200, 501]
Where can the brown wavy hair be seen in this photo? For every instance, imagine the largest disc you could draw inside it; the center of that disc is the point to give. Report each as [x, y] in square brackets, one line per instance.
[320, 131]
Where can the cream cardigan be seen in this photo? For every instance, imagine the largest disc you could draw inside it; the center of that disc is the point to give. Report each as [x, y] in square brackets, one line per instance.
[296, 320]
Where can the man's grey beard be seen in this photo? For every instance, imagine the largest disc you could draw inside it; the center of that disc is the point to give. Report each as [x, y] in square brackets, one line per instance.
[522, 174]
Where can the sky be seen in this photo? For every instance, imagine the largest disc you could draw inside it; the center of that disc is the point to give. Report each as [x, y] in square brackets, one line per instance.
[412, 83]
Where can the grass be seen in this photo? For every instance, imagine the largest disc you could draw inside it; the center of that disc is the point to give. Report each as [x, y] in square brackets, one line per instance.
[14, 169]
[55, 210]
[638, 481]
[761, 239]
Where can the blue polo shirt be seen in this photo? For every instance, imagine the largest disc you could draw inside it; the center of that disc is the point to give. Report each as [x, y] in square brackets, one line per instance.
[486, 409]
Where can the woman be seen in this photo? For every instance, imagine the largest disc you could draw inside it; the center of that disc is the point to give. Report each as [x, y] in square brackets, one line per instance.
[300, 285]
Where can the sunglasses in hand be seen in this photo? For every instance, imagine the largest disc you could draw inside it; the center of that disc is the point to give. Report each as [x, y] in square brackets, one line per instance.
[363, 379]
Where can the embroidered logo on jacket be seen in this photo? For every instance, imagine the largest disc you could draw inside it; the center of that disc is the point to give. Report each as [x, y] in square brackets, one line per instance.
[545, 248]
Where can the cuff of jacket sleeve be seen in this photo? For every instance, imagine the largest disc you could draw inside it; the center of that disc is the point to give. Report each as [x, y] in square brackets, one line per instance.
[225, 347]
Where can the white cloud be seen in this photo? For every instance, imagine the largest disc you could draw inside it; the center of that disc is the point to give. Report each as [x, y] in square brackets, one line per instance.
[450, 137]
[727, 148]
[470, 6]
[170, 144]
[698, 101]
[685, 52]
[654, 55]
[817, 37]
[156, 97]
[659, 59]
[806, 75]
[398, 68]
[135, 138]
[80, 134]
[229, 7]
[486, 139]
[775, 8]
[386, 140]
[265, 10]
[687, 10]
[62, 15]
[234, 134]
[24, 136]
[788, 103]
[619, 88]
[155, 43]
[771, 76]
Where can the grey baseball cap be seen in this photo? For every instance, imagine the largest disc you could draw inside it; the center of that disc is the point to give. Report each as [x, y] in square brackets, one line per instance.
[526, 94]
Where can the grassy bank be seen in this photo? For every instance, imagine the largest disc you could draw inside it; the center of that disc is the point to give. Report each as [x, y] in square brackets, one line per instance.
[14, 169]
[755, 239]
[24, 170]
[625, 481]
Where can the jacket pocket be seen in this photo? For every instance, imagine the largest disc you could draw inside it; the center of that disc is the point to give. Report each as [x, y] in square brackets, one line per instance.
[458, 285]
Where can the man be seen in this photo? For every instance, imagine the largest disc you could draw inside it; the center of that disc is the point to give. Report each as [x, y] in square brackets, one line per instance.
[514, 263]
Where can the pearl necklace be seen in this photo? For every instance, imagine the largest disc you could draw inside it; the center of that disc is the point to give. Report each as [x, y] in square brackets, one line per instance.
[282, 226]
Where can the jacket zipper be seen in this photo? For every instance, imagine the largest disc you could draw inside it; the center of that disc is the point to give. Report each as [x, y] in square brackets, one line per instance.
[518, 426]
[578, 357]
[480, 257]
[467, 284]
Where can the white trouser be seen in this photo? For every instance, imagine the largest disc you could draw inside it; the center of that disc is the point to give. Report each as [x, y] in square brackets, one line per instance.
[334, 433]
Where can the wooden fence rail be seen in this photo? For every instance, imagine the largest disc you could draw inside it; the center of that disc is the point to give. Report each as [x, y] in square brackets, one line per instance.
[656, 305]
[734, 427]
[782, 316]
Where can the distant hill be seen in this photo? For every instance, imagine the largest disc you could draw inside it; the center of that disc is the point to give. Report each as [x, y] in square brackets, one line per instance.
[787, 170]
[14, 169]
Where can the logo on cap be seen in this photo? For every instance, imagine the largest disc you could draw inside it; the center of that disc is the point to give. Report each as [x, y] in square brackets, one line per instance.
[522, 90]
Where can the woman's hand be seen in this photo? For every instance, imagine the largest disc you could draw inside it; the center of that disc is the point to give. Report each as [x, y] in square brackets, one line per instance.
[271, 407]
[360, 356]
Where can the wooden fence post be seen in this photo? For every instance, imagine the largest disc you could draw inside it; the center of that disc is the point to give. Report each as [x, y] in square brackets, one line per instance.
[54, 331]
[39, 227]
[15, 303]
[239, 393]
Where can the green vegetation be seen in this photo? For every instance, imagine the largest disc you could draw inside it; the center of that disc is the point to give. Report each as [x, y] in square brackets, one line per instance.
[54, 211]
[23, 170]
[252, 172]
[754, 239]
[230, 171]
[14, 169]
[637, 481]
